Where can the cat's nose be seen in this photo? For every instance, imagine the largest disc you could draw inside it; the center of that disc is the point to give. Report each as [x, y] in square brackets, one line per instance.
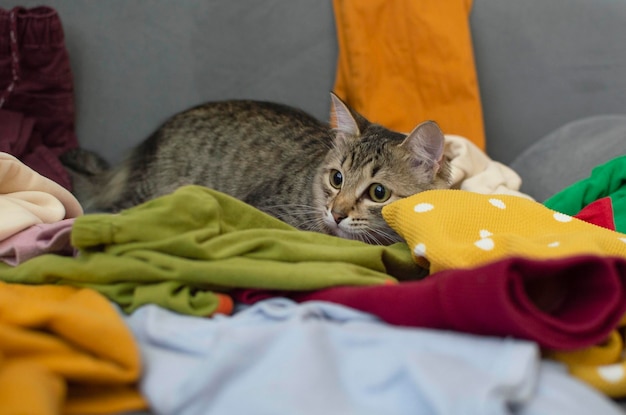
[338, 216]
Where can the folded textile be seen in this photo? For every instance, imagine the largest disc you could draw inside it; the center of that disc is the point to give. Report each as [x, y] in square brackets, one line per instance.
[278, 357]
[28, 198]
[186, 250]
[53, 238]
[65, 350]
[560, 304]
[36, 82]
[602, 196]
[473, 170]
[458, 229]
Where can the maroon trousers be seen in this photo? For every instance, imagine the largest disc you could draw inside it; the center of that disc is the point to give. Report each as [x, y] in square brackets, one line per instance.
[36, 91]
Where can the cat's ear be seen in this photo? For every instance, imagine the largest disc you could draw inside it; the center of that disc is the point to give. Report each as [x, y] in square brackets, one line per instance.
[426, 142]
[341, 118]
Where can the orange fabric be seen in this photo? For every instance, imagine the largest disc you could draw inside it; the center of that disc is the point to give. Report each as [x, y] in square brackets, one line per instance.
[405, 61]
[225, 304]
[65, 350]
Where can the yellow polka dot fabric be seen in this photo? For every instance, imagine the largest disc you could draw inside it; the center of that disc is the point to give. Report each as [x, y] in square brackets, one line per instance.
[459, 229]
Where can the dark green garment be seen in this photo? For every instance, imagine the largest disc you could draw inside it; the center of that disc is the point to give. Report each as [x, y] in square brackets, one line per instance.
[177, 250]
[607, 180]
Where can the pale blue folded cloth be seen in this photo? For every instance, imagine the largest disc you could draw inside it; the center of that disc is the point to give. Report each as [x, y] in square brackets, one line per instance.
[279, 357]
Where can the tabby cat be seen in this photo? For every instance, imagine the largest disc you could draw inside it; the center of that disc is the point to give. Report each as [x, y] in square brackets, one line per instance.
[333, 179]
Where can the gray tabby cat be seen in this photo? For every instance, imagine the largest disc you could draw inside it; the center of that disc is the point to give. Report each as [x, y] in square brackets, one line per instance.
[333, 179]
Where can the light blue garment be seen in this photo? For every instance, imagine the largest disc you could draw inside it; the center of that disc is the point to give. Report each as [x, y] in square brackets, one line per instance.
[278, 357]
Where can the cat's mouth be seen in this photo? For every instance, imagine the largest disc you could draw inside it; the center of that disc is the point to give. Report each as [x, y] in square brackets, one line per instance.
[340, 229]
[347, 229]
[337, 231]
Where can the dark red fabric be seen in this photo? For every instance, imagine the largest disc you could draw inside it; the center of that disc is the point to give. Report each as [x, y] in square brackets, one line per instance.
[15, 131]
[36, 90]
[582, 300]
[599, 212]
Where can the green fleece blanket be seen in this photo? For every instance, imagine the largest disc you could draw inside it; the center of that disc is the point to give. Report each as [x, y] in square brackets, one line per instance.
[185, 250]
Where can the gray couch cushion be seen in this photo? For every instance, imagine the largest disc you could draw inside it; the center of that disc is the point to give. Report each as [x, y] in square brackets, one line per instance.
[569, 153]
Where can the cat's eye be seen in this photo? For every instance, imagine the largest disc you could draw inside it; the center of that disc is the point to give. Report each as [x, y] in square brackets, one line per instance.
[379, 193]
[336, 179]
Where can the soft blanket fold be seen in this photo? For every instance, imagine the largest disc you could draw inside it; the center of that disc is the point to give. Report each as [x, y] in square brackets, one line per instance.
[277, 357]
[186, 250]
[64, 350]
[27, 198]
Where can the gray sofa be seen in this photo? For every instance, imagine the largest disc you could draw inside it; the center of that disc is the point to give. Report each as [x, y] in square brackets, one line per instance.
[552, 73]
[541, 64]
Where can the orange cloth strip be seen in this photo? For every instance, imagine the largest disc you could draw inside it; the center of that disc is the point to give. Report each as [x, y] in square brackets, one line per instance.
[402, 62]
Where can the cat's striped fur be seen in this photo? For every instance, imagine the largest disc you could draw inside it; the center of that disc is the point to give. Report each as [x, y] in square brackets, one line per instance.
[332, 178]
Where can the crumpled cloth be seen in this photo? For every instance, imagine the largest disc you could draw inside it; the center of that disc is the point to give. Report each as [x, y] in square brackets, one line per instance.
[186, 250]
[65, 350]
[561, 304]
[28, 198]
[474, 171]
[277, 357]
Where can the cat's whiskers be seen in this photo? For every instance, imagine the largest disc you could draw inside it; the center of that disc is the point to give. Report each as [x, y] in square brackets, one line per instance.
[386, 235]
[309, 217]
[369, 239]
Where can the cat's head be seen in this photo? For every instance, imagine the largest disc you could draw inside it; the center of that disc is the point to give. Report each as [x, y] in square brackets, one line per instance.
[369, 167]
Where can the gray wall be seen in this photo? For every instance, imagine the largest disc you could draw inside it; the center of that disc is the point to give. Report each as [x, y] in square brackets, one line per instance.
[137, 62]
[541, 63]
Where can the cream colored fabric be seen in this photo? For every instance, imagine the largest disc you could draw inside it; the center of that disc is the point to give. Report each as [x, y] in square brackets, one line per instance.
[474, 171]
[28, 198]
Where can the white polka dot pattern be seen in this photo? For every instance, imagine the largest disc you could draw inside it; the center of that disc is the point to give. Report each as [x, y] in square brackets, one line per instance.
[611, 373]
[420, 250]
[423, 207]
[460, 229]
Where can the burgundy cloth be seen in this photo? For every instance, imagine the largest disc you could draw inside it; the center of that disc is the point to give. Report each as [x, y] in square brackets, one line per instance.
[36, 91]
[582, 300]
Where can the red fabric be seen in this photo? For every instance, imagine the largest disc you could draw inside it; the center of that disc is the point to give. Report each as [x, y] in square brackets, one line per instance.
[36, 84]
[583, 300]
[599, 212]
